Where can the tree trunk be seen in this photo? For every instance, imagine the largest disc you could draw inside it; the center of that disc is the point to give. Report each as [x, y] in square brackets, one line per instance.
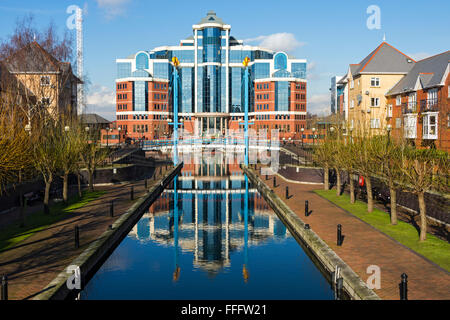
[338, 182]
[21, 200]
[79, 185]
[393, 194]
[91, 180]
[326, 178]
[65, 186]
[352, 188]
[423, 216]
[369, 194]
[48, 184]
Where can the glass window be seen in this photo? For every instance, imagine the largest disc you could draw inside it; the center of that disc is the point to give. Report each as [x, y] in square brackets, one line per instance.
[123, 70]
[141, 61]
[374, 82]
[280, 61]
[398, 100]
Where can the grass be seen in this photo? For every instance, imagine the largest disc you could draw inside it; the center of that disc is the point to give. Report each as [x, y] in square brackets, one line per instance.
[14, 234]
[432, 248]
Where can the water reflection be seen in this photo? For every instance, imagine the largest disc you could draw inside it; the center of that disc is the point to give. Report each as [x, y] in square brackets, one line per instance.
[214, 216]
[210, 235]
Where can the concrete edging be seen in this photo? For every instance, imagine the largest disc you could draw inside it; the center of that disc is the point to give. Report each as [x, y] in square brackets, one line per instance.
[353, 284]
[100, 249]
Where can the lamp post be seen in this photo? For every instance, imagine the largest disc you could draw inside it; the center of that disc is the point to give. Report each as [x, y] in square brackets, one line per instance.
[302, 130]
[314, 136]
[246, 123]
[107, 137]
[389, 128]
[175, 122]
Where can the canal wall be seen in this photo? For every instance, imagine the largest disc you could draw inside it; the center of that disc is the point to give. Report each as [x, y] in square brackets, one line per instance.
[91, 258]
[354, 286]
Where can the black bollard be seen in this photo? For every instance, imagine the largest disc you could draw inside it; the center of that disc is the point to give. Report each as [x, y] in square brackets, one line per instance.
[5, 287]
[111, 209]
[77, 237]
[132, 193]
[274, 182]
[306, 208]
[287, 192]
[339, 235]
[145, 184]
[404, 287]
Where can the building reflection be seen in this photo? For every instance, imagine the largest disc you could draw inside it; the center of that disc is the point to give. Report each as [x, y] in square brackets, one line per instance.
[211, 220]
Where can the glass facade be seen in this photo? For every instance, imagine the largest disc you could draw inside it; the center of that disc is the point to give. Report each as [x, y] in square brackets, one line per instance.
[214, 78]
[282, 94]
[140, 96]
[123, 70]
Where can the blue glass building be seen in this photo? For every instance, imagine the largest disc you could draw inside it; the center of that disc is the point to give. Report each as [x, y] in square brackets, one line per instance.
[212, 84]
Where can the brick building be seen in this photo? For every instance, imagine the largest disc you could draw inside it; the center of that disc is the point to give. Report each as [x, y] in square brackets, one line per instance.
[211, 97]
[419, 103]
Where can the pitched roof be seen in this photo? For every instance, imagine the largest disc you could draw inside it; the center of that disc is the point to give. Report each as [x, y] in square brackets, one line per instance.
[32, 58]
[429, 72]
[384, 59]
[211, 18]
[93, 118]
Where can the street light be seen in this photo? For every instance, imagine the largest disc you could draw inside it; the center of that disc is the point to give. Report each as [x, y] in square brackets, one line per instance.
[302, 130]
[389, 128]
[314, 136]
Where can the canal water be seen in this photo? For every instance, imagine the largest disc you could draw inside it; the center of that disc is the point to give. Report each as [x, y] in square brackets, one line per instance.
[210, 235]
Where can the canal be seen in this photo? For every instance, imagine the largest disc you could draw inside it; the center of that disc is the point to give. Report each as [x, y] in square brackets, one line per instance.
[210, 235]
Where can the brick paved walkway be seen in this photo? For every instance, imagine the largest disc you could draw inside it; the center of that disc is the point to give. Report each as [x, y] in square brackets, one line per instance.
[364, 246]
[36, 261]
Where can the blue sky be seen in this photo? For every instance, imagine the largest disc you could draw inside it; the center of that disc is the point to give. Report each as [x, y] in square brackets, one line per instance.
[329, 34]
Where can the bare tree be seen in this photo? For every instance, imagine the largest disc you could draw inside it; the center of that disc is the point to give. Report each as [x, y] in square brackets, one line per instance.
[424, 170]
[92, 154]
[45, 155]
[26, 32]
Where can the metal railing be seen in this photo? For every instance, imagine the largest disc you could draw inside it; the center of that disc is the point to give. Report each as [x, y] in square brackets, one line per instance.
[429, 105]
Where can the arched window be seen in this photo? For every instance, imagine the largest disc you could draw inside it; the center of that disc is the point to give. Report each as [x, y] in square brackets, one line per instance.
[141, 61]
[280, 61]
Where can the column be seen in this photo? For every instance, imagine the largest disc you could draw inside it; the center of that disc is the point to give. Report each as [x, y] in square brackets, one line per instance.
[227, 77]
[195, 70]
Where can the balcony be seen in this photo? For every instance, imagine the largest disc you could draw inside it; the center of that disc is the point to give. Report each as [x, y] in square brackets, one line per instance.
[409, 107]
[429, 105]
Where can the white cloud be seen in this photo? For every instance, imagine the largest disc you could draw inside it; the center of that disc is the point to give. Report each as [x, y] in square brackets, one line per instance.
[113, 7]
[278, 42]
[420, 55]
[319, 104]
[101, 100]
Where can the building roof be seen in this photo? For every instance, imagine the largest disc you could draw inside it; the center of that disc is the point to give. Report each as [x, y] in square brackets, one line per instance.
[384, 59]
[92, 118]
[34, 58]
[211, 18]
[427, 73]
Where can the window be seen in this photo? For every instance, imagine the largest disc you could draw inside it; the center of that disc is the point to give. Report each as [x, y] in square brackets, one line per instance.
[45, 81]
[398, 123]
[412, 102]
[398, 100]
[45, 101]
[448, 120]
[430, 126]
[389, 111]
[352, 84]
[375, 123]
[375, 102]
[352, 104]
[374, 82]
